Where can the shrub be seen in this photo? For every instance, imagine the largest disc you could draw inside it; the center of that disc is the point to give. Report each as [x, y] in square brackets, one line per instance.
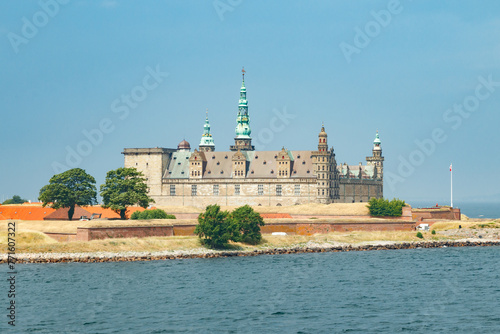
[151, 214]
[420, 235]
[214, 228]
[136, 215]
[433, 232]
[247, 223]
[381, 207]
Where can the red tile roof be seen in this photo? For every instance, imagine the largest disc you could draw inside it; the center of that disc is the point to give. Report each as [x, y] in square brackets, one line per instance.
[37, 212]
[24, 212]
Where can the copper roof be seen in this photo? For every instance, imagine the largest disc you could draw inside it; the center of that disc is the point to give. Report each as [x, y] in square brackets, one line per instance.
[184, 145]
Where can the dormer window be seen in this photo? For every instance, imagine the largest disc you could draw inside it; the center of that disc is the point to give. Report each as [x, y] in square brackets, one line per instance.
[272, 171]
[308, 171]
[256, 157]
[225, 157]
[264, 162]
[251, 172]
[213, 156]
[218, 163]
[298, 156]
[222, 172]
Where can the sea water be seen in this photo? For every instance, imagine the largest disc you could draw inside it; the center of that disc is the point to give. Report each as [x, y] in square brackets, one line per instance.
[444, 290]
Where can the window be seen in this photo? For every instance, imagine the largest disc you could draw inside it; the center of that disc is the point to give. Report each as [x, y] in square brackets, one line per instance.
[236, 189]
[194, 190]
[260, 189]
[216, 189]
[297, 190]
[278, 190]
[172, 190]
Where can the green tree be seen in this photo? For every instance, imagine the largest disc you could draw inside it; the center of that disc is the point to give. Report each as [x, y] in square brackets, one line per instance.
[214, 228]
[247, 223]
[68, 189]
[125, 187]
[381, 207]
[151, 214]
[16, 199]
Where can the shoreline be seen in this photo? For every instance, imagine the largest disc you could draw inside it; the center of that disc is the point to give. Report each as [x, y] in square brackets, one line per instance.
[202, 253]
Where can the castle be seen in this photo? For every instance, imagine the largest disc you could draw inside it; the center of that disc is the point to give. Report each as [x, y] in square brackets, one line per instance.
[242, 175]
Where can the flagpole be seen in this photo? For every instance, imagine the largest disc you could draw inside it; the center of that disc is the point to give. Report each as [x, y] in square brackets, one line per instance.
[451, 184]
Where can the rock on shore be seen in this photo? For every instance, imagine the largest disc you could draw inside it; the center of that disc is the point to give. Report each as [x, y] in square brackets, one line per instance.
[310, 247]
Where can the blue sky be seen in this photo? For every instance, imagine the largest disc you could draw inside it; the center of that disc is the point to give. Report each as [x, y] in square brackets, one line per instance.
[423, 73]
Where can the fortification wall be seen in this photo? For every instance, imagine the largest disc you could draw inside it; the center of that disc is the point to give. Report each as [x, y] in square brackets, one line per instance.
[290, 228]
[96, 233]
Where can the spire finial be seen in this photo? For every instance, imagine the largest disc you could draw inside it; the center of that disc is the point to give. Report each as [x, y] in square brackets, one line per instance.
[207, 113]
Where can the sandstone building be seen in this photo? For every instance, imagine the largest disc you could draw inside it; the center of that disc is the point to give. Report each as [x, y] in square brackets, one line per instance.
[245, 176]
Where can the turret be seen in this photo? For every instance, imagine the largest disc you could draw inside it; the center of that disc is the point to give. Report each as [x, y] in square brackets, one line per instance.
[377, 160]
[324, 165]
[207, 143]
[323, 140]
[243, 141]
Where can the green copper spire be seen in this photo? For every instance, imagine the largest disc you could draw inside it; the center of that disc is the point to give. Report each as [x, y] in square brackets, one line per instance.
[377, 140]
[206, 138]
[243, 120]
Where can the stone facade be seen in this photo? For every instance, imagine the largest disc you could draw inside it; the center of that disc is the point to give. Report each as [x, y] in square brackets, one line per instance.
[244, 176]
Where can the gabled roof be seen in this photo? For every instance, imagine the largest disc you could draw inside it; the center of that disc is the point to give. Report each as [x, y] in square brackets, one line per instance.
[261, 164]
[345, 171]
[219, 165]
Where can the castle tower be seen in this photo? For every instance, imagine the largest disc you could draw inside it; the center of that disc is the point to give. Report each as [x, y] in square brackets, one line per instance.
[323, 168]
[322, 140]
[243, 141]
[207, 141]
[377, 159]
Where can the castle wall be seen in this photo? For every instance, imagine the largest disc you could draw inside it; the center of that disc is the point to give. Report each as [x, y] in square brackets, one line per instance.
[248, 193]
[152, 162]
[359, 190]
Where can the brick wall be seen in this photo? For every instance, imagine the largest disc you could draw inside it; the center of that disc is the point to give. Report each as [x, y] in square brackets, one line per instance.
[291, 228]
[437, 213]
[96, 233]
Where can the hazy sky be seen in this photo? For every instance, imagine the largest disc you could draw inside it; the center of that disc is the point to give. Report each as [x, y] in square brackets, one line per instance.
[81, 80]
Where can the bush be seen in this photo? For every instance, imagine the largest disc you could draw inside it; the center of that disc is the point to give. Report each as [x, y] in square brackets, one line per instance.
[420, 235]
[136, 215]
[247, 222]
[151, 214]
[433, 232]
[381, 207]
[214, 228]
